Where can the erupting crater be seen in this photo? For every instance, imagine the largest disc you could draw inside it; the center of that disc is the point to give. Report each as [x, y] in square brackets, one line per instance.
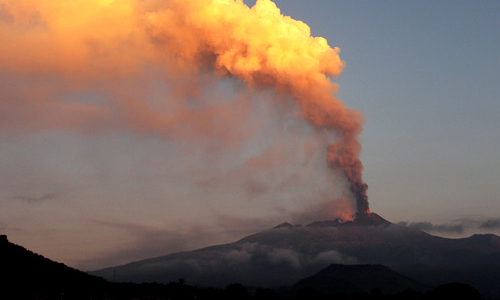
[358, 219]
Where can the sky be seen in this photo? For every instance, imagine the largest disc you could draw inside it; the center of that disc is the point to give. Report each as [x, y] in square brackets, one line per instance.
[118, 144]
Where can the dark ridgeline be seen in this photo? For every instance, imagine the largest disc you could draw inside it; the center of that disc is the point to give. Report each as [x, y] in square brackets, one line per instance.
[27, 275]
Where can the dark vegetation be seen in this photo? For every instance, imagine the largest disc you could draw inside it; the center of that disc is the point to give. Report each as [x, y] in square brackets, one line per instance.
[26, 275]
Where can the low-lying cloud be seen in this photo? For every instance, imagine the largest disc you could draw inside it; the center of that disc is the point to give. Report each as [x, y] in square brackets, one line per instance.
[456, 227]
[241, 262]
[490, 224]
[430, 227]
[37, 199]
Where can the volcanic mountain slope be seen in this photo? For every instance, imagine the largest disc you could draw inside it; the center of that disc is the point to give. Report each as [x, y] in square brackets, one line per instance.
[285, 254]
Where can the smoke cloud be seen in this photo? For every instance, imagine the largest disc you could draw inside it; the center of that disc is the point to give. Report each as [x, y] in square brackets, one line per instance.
[149, 66]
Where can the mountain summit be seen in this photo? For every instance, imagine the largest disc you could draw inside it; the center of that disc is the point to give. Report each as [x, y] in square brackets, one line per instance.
[359, 219]
[370, 219]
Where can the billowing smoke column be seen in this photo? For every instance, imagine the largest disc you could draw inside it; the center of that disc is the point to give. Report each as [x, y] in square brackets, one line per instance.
[264, 48]
[94, 39]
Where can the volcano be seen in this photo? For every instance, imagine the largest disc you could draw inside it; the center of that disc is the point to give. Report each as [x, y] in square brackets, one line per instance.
[287, 253]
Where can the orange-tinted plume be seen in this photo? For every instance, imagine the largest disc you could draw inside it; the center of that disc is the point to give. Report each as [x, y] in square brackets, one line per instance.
[92, 40]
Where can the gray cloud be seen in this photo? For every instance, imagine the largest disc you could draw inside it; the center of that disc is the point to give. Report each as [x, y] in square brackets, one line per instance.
[36, 200]
[430, 227]
[490, 224]
[333, 257]
[286, 256]
[455, 227]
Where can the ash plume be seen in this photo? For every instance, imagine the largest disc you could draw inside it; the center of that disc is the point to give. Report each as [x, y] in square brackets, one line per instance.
[111, 50]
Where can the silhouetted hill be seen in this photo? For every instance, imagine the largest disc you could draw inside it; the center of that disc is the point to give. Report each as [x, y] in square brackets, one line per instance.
[26, 275]
[454, 290]
[349, 279]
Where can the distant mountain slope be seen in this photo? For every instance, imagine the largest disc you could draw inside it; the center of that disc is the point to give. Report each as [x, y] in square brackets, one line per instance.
[350, 279]
[285, 254]
[26, 275]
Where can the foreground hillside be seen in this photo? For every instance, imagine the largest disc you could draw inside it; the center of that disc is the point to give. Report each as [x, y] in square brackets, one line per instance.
[26, 275]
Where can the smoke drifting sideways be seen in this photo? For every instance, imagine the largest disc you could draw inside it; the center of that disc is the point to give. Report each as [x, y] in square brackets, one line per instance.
[111, 48]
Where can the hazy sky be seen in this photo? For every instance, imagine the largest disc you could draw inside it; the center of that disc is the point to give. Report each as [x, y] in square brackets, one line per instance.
[97, 193]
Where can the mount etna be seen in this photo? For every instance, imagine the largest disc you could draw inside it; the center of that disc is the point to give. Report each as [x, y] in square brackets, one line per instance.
[287, 253]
